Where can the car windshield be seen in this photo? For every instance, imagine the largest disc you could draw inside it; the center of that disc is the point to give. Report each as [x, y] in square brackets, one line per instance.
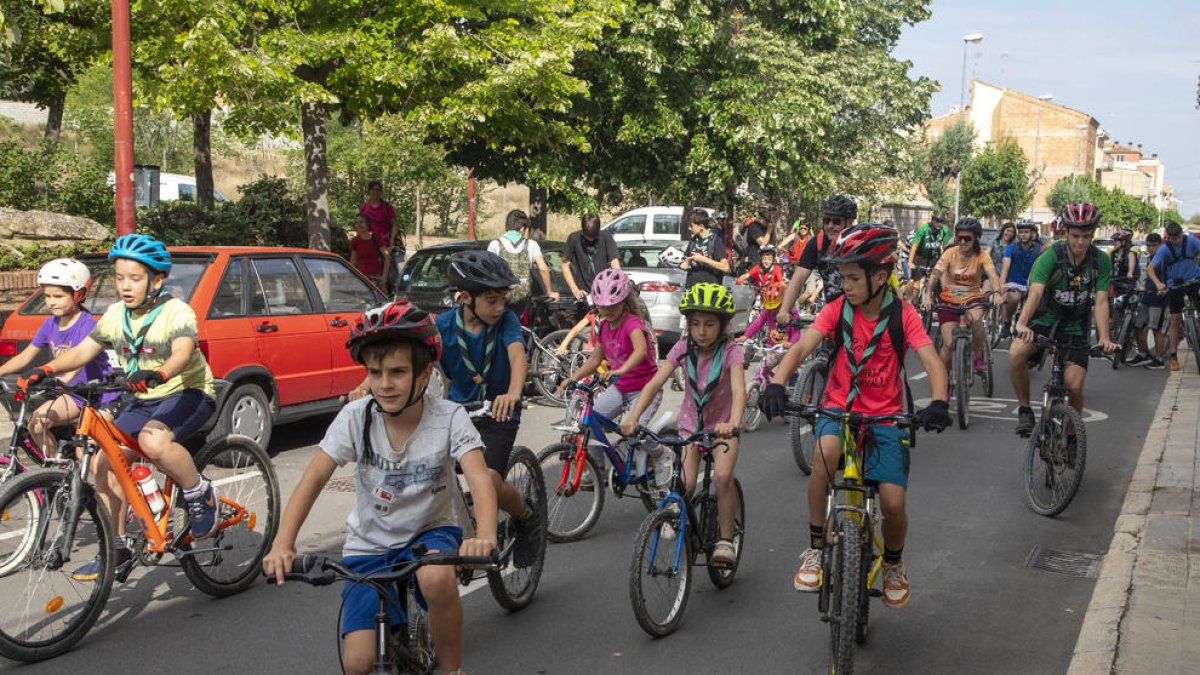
[181, 283]
[641, 256]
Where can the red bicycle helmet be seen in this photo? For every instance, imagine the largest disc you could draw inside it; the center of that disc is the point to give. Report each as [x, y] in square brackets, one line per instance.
[865, 244]
[1123, 234]
[1080, 214]
[396, 319]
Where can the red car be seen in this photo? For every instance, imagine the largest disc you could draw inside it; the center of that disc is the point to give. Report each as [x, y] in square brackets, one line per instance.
[273, 324]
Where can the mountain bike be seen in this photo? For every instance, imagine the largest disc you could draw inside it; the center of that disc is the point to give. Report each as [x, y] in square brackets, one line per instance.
[408, 648]
[962, 361]
[1122, 321]
[853, 555]
[769, 356]
[575, 489]
[1190, 323]
[1057, 451]
[548, 368]
[809, 387]
[660, 576]
[512, 586]
[47, 610]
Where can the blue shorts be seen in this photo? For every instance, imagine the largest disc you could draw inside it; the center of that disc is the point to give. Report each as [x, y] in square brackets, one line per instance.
[183, 412]
[360, 602]
[887, 462]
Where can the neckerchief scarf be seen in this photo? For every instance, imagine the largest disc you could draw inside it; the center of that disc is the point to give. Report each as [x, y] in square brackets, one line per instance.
[846, 325]
[701, 398]
[134, 344]
[489, 341]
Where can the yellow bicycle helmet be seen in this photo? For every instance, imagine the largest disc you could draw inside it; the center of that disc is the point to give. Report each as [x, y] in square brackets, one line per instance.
[707, 297]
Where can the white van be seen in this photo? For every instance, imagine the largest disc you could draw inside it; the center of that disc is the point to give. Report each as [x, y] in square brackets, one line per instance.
[649, 223]
[176, 186]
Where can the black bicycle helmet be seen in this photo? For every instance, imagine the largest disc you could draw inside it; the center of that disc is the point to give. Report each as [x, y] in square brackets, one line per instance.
[841, 206]
[473, 271]
[969, 224]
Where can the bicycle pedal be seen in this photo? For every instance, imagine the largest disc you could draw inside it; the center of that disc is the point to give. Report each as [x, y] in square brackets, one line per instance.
[875, 592]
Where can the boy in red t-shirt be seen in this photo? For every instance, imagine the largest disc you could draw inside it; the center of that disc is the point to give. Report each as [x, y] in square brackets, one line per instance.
[766, 272]
[866, 255]
[365, 254]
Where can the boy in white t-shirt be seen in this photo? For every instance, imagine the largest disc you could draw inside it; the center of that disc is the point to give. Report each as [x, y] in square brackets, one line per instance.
[404, 446]
[522, 254]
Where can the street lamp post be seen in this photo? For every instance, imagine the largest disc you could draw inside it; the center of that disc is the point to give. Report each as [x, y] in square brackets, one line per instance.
[1037, 137]
[972, 38]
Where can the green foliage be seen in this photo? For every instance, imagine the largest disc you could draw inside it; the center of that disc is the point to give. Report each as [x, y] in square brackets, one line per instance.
[1194, 220]
[1066, 191]
[33, 256]
[994, 182]
[51, 45]
[1173, 216]
[943, 159]
[1115, 206]
[51, 179]
[267, 214]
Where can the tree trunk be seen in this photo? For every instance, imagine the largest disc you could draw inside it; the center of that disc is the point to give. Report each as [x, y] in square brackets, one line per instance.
[313, 117]
[537, 212]
[202, 156]
[54, 117]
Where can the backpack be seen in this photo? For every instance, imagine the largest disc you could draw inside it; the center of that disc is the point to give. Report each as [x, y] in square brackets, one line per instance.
[1092, 263]
[518, 260]
[895, 331]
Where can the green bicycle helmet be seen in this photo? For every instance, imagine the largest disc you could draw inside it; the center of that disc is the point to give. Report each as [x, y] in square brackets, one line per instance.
[707, 297]
[144, 249]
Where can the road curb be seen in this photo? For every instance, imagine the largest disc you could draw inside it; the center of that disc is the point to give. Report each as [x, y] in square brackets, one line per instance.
[1099, 637]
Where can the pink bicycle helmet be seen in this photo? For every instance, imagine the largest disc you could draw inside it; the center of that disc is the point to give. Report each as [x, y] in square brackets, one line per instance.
[611, 287]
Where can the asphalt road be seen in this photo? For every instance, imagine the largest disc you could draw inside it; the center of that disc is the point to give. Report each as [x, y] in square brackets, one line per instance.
[976, 607]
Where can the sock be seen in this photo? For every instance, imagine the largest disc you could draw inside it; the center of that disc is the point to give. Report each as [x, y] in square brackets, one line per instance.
[891, 557]
[195, 492]
[816, 535]
[120, 544]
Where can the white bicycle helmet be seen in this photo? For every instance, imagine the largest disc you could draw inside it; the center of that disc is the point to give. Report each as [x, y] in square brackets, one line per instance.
[66, 272]
[671, 257]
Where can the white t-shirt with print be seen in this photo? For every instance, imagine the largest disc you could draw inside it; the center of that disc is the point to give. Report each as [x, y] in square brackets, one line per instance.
[532, 249]
[400, 494]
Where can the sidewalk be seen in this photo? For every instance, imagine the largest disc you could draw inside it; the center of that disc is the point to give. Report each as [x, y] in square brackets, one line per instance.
[1145, 611]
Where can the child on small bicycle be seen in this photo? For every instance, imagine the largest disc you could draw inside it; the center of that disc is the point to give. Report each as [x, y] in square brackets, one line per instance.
[867, 379]
[624, 339]
[155, 339]
[65, 284]
[766, 272]
[404, 445]
[484, 360]
[713, 398]
[772, 297]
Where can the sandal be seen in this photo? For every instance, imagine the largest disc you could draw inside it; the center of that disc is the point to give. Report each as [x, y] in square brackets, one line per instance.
[724, 553]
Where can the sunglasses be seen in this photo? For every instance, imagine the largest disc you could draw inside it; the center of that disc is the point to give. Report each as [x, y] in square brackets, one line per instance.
[833, 221]
[965, 237]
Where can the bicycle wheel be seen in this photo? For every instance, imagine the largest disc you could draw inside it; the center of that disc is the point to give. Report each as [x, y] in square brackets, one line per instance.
[46, 611]
[1054, 469]
[660, 576]
[723, 577]
[988, 380]
[810, 385]
[752, 417]
[550, 369]
[1124, 338]
[865, 562]
[22, 530]
[512, 586]
[248, 491]
[962, 383]
[569, 515]
[844, 598]
[1193, 336]
[992, 325]
[415, 653]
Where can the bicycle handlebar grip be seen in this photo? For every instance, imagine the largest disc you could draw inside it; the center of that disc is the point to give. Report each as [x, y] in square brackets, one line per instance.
[307, 564]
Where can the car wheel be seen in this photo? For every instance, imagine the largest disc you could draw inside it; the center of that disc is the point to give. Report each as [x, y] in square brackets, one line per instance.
[246, 412]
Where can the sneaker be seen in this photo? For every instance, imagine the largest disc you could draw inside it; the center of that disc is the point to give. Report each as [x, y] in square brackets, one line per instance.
[808, 577]
[1025, 422]
[896, 590]
[1155, 363]
[980, 366]
[667, 531]
[1174, 365]
[90, 571]
[663, 468]
[1138, 359]
[528, 538]
[203, 511]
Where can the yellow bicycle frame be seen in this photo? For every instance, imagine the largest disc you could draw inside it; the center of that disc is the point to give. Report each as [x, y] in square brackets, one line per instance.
[852, 472]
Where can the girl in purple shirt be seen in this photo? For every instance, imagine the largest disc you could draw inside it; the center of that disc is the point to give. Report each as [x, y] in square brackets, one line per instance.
[65, 283]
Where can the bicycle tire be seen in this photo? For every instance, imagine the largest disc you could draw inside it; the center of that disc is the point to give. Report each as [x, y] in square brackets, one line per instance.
[962, 386]
[810, 385]
[722, 578]
[43, 584]
[1193, 336]
[1125, 337]
[1052, 476]
[989, 379]
[514, 591]
[660, 577]
[13, 555]
[415, 654]
[865, 563]
[844, 598]
[241, 474]
[549, 372]
[563, 522]
[992, 334]
[752, 417]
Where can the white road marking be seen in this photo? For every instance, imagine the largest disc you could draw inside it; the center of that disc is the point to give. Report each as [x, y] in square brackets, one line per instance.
[919, 376]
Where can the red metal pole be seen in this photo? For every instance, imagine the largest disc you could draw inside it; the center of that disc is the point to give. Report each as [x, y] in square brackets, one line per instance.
[471, 204]
[123, 117]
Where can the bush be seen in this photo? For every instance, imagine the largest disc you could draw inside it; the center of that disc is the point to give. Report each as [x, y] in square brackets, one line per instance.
[51, 179]
[33, 256]
[266, 215]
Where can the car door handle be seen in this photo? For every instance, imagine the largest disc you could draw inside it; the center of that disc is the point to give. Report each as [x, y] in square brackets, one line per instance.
[267, 328]
[338, 323]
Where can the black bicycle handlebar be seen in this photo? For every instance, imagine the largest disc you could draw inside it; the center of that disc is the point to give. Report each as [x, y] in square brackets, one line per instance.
[706, 439]
[811, 412]
[318, 570]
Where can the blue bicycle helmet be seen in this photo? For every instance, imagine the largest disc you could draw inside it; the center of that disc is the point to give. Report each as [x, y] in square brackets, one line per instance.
[144, 249]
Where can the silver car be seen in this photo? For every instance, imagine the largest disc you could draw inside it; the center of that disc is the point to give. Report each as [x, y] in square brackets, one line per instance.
[661, 287]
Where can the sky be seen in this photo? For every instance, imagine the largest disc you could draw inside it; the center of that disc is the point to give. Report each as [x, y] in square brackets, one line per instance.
[1134, 66]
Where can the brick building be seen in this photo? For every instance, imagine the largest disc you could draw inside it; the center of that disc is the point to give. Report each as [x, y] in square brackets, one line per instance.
[1125, 166]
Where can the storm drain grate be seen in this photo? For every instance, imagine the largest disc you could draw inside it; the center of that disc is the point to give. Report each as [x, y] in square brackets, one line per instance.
[1071, 563]
[340, 484]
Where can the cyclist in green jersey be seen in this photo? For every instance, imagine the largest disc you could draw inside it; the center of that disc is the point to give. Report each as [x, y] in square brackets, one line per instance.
[928, 243]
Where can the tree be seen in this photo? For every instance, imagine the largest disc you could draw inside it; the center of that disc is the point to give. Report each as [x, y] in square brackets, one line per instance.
[945, 158]
[994, 182]
[1066, 191]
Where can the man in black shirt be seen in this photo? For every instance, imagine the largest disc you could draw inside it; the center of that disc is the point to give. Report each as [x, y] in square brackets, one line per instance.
[588, 252]
[704, 260]
[840, 212]
[757, 236]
